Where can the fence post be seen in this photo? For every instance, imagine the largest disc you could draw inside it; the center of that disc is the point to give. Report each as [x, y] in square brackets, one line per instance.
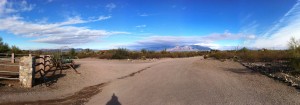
[12, 57]
[27, 71]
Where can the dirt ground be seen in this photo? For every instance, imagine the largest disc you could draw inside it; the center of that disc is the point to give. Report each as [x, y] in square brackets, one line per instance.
[180, 81]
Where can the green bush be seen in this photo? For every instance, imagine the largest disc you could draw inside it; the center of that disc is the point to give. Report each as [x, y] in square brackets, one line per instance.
[294, 48]
[222, 55]
[4, 48]
[121, 53]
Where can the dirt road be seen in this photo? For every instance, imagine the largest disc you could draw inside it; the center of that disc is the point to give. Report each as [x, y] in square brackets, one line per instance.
[194, 81]
[184, 81]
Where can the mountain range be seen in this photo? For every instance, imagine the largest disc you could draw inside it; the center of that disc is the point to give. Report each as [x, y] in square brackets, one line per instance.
[160, 48]
[189, 48]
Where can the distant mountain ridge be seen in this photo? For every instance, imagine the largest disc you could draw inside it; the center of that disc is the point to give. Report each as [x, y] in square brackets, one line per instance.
[63, 50]
[156, 48]
[179, 48]
[188, 48]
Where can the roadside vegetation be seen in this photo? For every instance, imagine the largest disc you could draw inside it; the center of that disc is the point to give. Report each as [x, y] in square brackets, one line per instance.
[247, 55]
[294, 48]
[123, 53]
[291, 55]
[5, 48]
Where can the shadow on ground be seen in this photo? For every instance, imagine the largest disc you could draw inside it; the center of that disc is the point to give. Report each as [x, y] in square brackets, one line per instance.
[114, 100]
[241, 71]
[2, 84]
[51, 76]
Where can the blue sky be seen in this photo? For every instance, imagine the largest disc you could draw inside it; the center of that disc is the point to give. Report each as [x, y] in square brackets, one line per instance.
[107, 24]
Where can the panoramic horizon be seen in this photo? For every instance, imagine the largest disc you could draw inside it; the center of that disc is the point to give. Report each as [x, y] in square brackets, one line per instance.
[137, 24]
[150, 52]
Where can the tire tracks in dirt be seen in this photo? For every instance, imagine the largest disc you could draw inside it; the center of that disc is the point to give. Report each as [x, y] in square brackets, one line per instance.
[79, 97]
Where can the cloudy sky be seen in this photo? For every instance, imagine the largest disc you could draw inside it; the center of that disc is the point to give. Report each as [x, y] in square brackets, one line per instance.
[107, 24]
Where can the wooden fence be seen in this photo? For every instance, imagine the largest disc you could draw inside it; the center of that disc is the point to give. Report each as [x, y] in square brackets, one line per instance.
[9, 67]
[28, 69]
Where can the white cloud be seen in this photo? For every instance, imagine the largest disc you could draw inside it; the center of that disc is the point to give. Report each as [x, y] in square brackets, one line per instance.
[110, 6]
[54, 33]
[250, 28]
[141, 26]
[2, 6]
[24, 6]
[207, 41]
[14, 7]
[279, 35]
[210, 45]
[104, 17]
[5, 7]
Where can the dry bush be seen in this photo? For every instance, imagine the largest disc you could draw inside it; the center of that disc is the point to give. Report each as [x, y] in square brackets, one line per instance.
[222, 55]
[294, 48]
[252, 55]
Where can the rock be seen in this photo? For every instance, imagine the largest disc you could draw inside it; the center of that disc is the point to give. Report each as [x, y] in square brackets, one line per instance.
[294, 85]
[10, 85]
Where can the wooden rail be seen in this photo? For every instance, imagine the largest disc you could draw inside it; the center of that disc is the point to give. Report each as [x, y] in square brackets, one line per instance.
[11, 72]
[8, 57]
[12, 56]
[9, 78]
[8, 65]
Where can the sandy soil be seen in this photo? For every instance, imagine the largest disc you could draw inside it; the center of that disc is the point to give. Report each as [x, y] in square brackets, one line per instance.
[181, 81]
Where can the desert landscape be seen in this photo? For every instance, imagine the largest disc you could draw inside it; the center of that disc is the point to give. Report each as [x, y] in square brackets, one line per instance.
[179, 81]
[149, 52]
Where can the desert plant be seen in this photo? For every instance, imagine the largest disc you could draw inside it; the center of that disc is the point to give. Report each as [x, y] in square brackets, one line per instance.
[4, 48]
[72, 53]
[15, 49]
[294, 48]
[121, 53]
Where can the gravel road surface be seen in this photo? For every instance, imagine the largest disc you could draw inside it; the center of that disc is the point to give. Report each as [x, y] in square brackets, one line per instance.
[195, 81]
[180, 81]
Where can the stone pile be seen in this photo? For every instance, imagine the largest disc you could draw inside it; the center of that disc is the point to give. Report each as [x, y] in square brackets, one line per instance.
[279, 71]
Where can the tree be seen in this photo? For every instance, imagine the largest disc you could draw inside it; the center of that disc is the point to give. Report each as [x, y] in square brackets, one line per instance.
[15, 49]
[72, 52]
[244, 50]
[144, 51]
[121, 53]
[4, 48]
[294, 47]
[294, 44]
[164, 51]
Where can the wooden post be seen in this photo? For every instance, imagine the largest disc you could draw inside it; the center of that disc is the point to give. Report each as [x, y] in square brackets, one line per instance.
[12, 57]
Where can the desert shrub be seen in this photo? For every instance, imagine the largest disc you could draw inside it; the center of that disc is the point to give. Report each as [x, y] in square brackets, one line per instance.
[72, 53]
[15, 49]
[121, 53]
[144, 51]
[294, 48]
[263, 55]
[222, 55]
[4, 47]
[164, 51]
[252, 55]
[249, 56]
[206, 56]
[105, 56]
[135, 55]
